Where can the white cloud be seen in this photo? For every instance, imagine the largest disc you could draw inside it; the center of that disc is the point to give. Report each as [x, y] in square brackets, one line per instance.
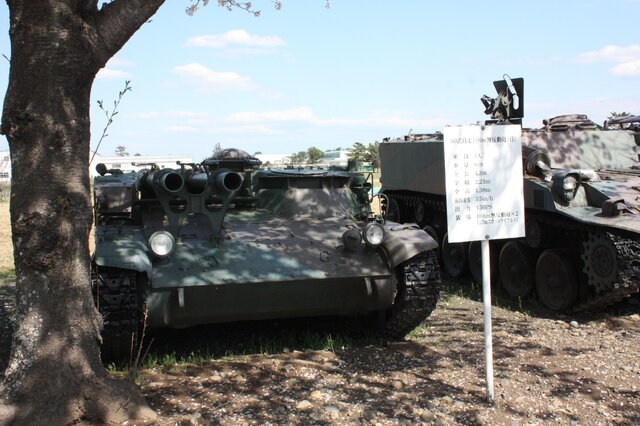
[181, 129]
[169, 114]
[251, 128]
[611, 54]
[306, 114]
[116, 62]
[109, 74]
[295, 114]
[235, 37]
[213, 81]
[627, 69]
[627, 59]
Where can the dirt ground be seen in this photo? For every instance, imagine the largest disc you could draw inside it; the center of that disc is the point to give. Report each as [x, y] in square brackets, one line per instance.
[549, 369]
[571, 370]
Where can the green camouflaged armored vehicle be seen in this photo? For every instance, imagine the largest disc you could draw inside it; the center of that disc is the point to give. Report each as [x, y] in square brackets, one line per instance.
[223, 241]
[582, 206]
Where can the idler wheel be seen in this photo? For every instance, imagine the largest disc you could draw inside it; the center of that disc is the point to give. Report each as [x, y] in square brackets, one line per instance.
[454, 257]
[600, 259]
[556, 280]
[516, 269]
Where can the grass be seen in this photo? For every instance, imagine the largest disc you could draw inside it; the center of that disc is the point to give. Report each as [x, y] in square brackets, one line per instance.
[469, 289]
[174, 350]
[6, 247]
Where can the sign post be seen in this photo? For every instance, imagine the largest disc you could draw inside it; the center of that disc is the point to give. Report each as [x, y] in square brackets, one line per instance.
[483, 170]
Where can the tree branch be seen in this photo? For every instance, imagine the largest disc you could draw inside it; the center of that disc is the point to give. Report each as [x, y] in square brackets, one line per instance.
[117, 21]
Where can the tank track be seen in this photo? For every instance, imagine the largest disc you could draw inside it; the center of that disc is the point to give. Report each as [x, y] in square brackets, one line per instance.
[418, 293]
[627, 281]
[118, 300]
[599, 293]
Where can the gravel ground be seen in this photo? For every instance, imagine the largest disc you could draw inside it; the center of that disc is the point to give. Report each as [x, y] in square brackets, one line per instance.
[578, 370]
[548, 370]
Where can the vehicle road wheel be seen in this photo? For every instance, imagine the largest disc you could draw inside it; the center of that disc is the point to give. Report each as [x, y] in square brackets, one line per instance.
[516, 269]
[418, 289]
[474, 260]
[454, 257]
[556, 281]
[419, 213]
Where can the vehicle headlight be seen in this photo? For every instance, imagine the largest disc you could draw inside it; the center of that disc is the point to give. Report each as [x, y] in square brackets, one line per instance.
[161, 243]
[569, 183]
[566, 187]
[373, 234]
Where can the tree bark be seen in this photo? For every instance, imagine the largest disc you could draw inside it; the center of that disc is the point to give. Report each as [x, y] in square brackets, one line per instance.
[54, 372]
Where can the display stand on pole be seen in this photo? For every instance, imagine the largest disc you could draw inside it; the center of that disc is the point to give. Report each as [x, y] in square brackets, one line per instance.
[483, 168]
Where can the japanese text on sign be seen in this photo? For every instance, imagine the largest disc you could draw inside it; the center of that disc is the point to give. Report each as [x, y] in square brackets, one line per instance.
[483, 167]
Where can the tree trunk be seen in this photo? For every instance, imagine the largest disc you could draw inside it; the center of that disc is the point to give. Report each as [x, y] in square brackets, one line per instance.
[54, 372]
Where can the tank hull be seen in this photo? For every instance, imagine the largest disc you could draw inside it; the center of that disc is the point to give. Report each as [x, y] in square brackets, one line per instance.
[594, 238]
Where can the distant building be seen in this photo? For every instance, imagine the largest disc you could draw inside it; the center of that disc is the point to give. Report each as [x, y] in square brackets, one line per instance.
[335, 158]
[274, 160]
[5, 166]
[126, 163]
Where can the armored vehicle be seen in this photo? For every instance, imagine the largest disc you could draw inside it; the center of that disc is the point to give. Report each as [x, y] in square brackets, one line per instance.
[223, 240]
[582, 206]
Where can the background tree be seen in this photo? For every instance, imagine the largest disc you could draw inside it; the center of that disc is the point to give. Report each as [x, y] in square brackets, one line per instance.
[314, 155]
[372, 155]
[217, 147]
[299, 157]
[365, 154]
[121, 151]
[257, 153]
[358, 153]
[54, 373]
[619, 125]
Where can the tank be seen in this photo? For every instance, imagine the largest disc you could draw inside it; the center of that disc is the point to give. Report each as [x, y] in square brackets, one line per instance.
[223, 240]
[582, 206]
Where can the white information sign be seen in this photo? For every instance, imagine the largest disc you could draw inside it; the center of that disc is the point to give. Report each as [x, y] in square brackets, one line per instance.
[483, 168]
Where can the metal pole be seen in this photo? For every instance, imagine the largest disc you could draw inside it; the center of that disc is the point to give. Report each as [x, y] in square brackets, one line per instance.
[486, 298]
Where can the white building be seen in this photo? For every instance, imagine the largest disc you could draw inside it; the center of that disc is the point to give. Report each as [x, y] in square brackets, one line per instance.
[131, 163]
[122, 163]
[5, 167]
[335, 158]
[274, 160]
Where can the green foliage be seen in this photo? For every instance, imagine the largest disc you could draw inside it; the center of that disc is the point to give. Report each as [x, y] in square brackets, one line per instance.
[299, 157]
[366, 154]
[121, 151]
[618, 115]
[5, 191]
[257, 153]
[314, 155]
[7, 274]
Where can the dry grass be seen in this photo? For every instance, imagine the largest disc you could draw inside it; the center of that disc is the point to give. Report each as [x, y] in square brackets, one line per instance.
[6, 248]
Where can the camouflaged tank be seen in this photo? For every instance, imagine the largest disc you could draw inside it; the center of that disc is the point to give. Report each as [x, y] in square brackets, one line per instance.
[223, 241]
[582, 205]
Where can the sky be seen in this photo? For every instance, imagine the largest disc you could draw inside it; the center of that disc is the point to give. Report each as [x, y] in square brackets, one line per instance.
[359, 71]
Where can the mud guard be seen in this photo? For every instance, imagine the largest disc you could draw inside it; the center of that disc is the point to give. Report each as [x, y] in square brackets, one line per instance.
[130, 253]
[404, 241]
